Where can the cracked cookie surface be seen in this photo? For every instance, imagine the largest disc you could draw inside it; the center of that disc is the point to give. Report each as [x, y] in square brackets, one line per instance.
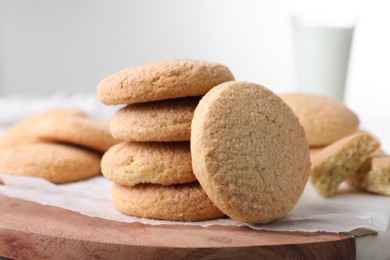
[159, 121]
[162, 80]
[130, 163]
[249, 152]
[184, 202]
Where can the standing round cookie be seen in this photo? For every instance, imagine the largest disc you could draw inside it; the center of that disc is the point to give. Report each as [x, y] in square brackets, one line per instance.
[249, 152]
[162, 80]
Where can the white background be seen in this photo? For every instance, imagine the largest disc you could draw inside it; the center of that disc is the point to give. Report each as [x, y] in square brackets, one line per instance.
[68, 46]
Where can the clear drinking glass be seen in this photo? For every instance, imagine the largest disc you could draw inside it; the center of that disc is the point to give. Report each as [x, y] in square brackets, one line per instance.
[322, 51]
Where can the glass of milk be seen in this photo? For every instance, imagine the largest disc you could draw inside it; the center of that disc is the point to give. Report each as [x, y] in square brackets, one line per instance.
[322, 50]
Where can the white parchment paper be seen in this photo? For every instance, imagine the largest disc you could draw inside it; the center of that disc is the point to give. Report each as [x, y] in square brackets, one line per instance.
[344, 212]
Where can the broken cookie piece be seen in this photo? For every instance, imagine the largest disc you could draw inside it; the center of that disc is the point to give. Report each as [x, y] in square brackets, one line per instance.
[333, 164]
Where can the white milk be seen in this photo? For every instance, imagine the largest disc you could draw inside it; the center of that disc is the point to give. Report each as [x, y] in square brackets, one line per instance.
[322, 53]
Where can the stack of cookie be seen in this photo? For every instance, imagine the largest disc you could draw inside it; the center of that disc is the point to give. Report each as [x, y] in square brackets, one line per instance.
[151, 169]
[339, 151]
[62, 145]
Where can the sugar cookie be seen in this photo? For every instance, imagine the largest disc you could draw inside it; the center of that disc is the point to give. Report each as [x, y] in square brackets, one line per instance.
[23, 131]
[324, 119]
[249, 152]
[131, 163]
[54, 162]
[75, 130]
[159, 121]
[373, 175]
[333, 164]
[185, 202]
[162, 80]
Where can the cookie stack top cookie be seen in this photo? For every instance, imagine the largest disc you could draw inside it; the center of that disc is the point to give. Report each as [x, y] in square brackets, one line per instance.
[162, 80]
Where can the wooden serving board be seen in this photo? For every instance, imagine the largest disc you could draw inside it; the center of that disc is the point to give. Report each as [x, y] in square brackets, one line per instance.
[33, 231]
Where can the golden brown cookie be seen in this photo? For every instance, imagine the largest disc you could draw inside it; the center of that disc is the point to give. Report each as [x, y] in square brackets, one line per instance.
[249, 152]
[373, 175]
[162, 80]
[336, 162]
[23, 131]
[75, 130]
[314, 151]
[184, 202]
[159, 121]
[130, 163]
[54, 162]
[324, 119]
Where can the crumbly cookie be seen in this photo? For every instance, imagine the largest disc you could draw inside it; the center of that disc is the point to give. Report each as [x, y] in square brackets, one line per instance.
[23, 131]
[131, 163]
[324, 119]
[159, 121]
[184, 202]
[162, 80]
[75, 130]
[336, 162]
[54, 162]
[373, 175]
[249, 152]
